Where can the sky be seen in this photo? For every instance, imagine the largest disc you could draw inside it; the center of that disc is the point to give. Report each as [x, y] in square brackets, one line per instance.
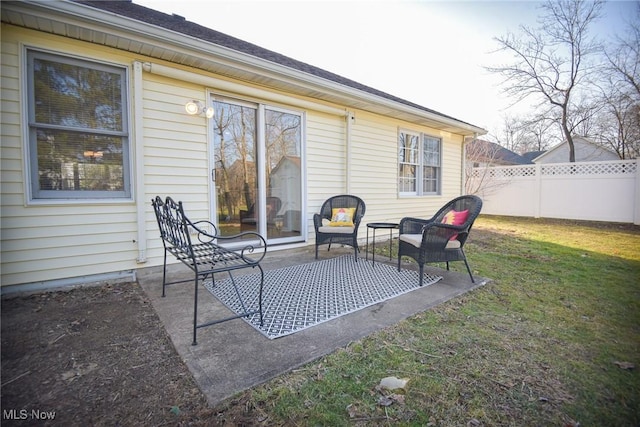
[433, 53]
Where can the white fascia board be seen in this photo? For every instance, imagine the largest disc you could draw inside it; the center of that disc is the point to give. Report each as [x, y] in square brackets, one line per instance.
[96, 19]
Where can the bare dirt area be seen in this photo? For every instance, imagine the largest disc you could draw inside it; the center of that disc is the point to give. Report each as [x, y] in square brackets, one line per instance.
[94, 356]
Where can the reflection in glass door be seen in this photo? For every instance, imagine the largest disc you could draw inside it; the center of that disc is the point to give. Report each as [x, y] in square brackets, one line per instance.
[270, 204]
[234, 146]
[283, 143]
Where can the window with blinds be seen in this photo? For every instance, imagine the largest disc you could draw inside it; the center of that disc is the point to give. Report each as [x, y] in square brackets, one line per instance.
[78, 130]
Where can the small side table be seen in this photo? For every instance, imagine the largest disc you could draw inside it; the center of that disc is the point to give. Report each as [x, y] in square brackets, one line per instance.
[375, 226]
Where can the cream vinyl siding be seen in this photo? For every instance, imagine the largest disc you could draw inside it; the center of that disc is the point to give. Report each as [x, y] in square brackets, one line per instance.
[42, 249]
[326, 163]
[176, 158]
[63, 240]
[374, 171]
[54, 240]
[374, 166]
[452, 169]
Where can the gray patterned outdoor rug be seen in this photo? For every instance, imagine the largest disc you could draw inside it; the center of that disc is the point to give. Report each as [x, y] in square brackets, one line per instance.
[298, 297]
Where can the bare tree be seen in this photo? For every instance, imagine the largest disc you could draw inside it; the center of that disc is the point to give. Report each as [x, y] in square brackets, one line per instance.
[481, 158]
[542, 132]
[618, 127]
[619, 123]
[522, 134]
[512, 133]
[550, 63]
[624, 57]
[583, 115]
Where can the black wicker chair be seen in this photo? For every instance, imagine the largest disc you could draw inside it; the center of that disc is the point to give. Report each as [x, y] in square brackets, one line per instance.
[431, 240]
[326, 233]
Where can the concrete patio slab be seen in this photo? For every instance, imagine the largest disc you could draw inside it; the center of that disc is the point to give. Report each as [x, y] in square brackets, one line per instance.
[232, 356]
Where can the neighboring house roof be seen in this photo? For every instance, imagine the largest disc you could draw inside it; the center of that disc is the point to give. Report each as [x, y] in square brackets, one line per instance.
[491, 153]
[532, 155]
[131, 27]
[584, 150]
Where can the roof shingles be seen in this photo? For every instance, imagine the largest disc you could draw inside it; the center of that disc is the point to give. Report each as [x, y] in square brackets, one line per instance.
[181, 25]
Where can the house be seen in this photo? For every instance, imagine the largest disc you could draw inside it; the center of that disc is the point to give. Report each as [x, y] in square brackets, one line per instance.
[585, 151]
[486, 153]
[531, 155]
[108, 104]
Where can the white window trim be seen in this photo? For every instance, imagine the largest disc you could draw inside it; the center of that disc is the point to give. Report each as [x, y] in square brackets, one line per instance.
[420, 166]
[30, 151]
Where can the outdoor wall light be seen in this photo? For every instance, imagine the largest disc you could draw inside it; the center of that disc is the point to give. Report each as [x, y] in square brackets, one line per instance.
[195, 107]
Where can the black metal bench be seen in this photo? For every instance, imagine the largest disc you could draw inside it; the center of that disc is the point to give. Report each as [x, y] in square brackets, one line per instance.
[204, 255]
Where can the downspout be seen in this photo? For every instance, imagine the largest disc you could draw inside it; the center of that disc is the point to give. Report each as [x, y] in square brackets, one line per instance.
[139, 161]
[350, 117]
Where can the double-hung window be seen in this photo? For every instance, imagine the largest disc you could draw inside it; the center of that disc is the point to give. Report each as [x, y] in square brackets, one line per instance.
[419, 163]
[78, 131]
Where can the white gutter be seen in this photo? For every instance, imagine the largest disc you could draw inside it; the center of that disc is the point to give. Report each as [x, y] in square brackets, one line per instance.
[138, 154]
[188, 45]
[241, 89]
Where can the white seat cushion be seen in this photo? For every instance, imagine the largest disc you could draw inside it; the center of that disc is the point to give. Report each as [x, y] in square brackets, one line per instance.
[332, 230]
[453, 244]
[416, 240]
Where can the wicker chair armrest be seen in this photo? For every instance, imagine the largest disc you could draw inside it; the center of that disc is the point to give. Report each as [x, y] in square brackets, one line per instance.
[410, 225]
[357, 220]
[317, 221]
[441, 233]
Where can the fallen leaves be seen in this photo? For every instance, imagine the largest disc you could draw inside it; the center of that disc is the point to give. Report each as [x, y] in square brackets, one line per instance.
[390, 399]
[352, 410]
[390, 391]
[78, 371]
[625, 365]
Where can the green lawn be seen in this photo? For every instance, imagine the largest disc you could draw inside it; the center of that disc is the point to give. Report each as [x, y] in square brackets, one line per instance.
[553, 339]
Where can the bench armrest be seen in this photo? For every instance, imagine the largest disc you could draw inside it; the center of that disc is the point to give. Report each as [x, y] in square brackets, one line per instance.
[252, 252]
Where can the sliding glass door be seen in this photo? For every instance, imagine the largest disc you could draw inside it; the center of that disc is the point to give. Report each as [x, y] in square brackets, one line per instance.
[283, 144]
[258, 171]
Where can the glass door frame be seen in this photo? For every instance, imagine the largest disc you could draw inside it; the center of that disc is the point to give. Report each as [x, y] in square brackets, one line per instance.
[260, 156]
[302, 237]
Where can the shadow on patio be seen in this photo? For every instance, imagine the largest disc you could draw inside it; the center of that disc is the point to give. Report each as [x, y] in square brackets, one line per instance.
[233, 356]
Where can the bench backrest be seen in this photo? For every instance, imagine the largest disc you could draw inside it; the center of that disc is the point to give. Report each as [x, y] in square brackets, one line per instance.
[173, 224]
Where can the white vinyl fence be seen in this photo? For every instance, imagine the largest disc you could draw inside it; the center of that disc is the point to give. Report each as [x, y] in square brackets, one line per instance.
[597, 191]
